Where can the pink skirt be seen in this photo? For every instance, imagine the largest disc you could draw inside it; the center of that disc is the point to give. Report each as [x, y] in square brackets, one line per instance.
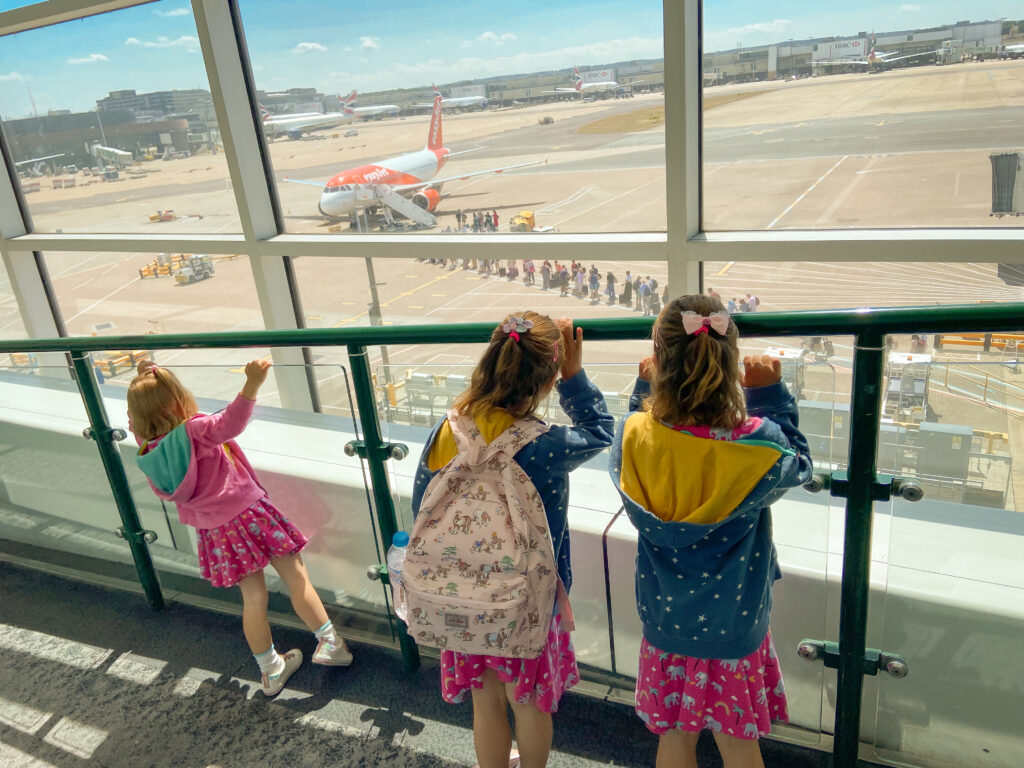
[542, 680]
[738, 697]
[245, 544]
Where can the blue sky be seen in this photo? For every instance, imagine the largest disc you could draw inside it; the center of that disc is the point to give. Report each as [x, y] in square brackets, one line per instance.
[338, 45]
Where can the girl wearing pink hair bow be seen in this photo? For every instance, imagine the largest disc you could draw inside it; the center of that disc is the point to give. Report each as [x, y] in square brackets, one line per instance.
[705, 451]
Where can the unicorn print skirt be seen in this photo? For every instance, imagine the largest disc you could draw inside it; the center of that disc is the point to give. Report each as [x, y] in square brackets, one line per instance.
[246, 543]
[737, 697]
[542, 680]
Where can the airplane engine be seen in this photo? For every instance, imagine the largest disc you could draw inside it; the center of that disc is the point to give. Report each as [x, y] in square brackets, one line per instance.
[427, 199]
[295, 135]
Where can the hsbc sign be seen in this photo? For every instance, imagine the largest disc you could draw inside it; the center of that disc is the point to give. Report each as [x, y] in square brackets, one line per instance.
[841, 49]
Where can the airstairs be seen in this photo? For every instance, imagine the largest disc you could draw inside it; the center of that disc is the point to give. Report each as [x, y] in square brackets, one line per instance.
[392, 201]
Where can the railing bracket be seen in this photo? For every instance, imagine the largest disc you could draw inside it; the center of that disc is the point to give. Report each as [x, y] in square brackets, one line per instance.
[396, 451]
[875, 661]
[116, 433]
[837, 483]
[144, 535]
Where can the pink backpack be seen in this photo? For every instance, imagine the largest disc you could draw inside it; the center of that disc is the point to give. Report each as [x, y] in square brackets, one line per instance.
[480, 575]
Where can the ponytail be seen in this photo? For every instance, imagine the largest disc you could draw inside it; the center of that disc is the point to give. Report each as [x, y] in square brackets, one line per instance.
[158, 402]
[515, 369]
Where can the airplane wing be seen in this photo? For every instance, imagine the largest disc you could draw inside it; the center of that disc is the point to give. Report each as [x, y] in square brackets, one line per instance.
[309, 182]
[561, 90]
[627, 85]
[437, 182]
[911, 56]
[839, 62]
[39, 159]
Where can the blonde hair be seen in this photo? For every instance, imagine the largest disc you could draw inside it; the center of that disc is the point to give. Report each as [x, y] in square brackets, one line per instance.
[157, 403]
[514, 374]
[697, 376]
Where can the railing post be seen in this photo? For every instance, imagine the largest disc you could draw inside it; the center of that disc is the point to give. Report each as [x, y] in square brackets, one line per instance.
[868, 365]
[376, 455]
[111, 458]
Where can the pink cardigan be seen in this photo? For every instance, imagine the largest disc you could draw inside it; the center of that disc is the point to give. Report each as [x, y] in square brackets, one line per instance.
[219, 483]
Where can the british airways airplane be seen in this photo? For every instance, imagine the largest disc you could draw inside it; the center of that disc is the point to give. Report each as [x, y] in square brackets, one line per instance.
[457, 101]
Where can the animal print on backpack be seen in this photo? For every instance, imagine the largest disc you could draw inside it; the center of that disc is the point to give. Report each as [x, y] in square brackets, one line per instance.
[480, 574]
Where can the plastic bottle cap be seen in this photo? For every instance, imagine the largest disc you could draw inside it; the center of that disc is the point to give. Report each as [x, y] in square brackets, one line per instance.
[400, 539]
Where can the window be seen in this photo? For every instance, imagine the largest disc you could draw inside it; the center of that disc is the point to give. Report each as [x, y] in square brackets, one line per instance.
[830, 132]
[112, 126]
[586, 159]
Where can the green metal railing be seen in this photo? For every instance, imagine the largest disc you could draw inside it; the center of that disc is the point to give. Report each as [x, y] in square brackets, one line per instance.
[859, 484]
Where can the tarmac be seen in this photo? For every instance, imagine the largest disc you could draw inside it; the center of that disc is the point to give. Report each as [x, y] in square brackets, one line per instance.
[94, 678]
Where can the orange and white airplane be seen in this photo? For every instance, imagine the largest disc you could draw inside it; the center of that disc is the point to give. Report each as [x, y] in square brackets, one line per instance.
[595, 86]
[410, 175]
[294, 125]
[348, 106]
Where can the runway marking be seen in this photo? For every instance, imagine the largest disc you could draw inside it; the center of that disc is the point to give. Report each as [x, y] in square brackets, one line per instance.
[806, 192]
[657, 179]
[439, 295]
[415, 306]
[725, 269]
[403, 295]
[570, 199]
[97, 303]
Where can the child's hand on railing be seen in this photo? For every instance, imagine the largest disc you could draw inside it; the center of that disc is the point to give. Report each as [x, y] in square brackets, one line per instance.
[761, 370]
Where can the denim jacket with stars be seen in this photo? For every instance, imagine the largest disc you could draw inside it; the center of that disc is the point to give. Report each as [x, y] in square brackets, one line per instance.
[706, 562]
[548, 460]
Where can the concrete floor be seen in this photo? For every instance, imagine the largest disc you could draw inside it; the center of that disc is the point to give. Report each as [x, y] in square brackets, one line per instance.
[93, 678]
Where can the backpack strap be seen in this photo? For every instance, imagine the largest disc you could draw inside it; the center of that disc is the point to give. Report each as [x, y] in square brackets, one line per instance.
[468, 439]
[512, 440]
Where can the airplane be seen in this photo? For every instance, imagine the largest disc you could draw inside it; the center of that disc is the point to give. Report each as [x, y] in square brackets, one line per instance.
[295, 125]
[348, 106]
[456, 101]
[581, 87]
[410, 175]
[1013, 51]
[876, 61]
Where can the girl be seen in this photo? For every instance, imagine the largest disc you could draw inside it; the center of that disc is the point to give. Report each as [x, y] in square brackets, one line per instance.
[192, 459]
[697, 475]
[519, 368]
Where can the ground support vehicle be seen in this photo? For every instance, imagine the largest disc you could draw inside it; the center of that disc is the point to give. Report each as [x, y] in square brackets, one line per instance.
[193, 268]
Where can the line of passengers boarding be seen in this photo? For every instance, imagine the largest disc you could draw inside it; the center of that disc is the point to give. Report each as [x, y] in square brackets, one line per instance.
[192, 459]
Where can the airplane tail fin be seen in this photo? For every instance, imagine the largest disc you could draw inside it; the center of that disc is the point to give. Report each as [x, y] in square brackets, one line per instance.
[434, 137]
[579, 79]
[348, 103]
[264, 113]
[437, 91]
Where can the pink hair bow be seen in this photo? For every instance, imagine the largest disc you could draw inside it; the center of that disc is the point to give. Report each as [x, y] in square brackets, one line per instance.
[695, 324]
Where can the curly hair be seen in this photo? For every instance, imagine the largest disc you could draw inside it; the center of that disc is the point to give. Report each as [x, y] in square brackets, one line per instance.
[514, 374]
[697, 376]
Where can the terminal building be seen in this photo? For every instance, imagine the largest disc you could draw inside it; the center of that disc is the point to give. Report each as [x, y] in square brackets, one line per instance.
[807, 58]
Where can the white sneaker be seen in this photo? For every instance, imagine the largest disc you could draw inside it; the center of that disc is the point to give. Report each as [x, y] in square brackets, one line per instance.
[332, 655]
[272, 684]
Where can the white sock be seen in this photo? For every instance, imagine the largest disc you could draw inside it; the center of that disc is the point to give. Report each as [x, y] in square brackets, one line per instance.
[270, 662]
[326, 632]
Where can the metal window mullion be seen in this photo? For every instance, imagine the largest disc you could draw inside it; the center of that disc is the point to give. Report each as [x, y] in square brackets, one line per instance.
[55, 11]
[223, 53]
[26, 271]
[682, 142]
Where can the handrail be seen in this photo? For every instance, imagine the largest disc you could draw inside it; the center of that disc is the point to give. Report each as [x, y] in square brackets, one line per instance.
[861, 486]
[983, 317]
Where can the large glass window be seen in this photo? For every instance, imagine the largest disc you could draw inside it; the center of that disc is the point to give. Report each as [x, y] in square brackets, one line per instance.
[115, 294]
[346, 97]
[811, 122]
[112, 126]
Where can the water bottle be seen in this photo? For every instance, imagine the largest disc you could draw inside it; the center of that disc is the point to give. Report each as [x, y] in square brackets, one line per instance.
[396, 558]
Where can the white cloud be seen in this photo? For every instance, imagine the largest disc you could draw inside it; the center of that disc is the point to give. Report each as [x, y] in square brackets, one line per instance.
[175, 12]
[90, 59]
[347, 49]
[189, 42]
[10, 77]
[369, 43]
[490, 37]
[910, 8]
[760, 33]
[307, 47]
